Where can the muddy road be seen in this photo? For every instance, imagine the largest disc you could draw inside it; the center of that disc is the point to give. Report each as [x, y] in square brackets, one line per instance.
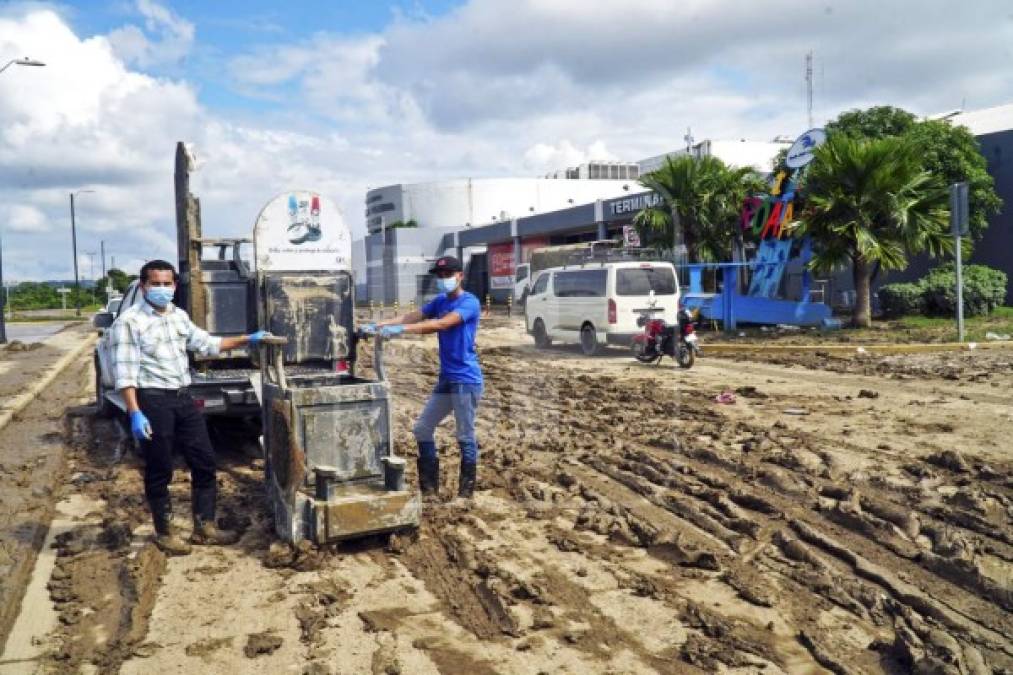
[851, 519]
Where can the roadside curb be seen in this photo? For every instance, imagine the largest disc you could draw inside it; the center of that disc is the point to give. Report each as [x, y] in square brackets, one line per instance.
[891, 348]
[21, 401]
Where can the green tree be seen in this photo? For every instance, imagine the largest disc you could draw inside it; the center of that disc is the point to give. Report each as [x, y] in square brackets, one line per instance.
[707, 194]
[120, 280]
[869, 203]
[34, 295]
[947, 151]
[877, 122]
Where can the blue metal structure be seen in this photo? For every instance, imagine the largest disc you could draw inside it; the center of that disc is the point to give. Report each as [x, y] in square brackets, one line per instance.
[731, 307]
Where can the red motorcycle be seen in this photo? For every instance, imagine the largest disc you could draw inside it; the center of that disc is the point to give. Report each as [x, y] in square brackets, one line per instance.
[660, 338]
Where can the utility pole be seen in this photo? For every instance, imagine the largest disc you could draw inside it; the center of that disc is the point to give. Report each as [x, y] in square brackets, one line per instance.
[73, 243]
[91, 273]
[103, 247]
[809, 87]
[3, 323]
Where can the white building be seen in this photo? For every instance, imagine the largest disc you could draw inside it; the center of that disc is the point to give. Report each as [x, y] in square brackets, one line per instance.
[981, 122]
[599, 170]
[472, 201]
[756, 154]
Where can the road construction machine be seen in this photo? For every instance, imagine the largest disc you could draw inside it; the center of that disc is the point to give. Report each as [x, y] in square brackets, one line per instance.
[330, 469]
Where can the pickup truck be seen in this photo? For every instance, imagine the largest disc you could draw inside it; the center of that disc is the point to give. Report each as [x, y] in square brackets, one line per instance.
[220, 387]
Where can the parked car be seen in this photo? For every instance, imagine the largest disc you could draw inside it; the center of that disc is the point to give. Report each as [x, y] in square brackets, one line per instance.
[596, 303]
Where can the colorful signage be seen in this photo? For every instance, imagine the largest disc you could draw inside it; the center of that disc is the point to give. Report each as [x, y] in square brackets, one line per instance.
[773, 216]
[501, 260]
[501, 265]
[301, 230]
[801, 151]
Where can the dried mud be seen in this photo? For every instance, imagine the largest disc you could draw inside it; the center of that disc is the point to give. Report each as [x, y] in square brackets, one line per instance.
[624, 522]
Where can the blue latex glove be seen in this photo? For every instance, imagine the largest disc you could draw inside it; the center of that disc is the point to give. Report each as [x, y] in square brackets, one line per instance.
[140, 427]
[391, 331]
[255, 338]
[368, 328]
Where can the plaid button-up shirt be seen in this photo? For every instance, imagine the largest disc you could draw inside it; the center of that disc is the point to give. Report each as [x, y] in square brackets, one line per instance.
[149, 349]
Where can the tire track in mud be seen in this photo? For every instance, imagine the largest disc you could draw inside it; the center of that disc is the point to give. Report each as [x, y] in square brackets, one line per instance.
[743, 505]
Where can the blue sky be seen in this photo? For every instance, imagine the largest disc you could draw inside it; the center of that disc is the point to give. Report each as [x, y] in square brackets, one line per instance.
[344, 96]
[230, 28]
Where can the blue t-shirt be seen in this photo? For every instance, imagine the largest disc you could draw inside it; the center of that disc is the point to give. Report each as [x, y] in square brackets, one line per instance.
[458, 359]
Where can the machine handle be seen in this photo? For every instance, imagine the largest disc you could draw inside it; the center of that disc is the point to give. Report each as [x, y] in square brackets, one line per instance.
[381, 374]
[275, 357]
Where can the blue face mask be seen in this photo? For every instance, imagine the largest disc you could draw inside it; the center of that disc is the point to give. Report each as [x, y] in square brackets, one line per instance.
[160, 296]
[448, 285]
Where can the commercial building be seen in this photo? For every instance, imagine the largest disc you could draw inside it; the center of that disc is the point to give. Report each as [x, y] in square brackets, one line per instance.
[494, 238]
[492, 223]
[398, 259]
[472, 201]
[395, 258]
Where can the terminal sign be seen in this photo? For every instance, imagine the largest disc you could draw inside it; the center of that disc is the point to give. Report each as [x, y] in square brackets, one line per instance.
[634, 204]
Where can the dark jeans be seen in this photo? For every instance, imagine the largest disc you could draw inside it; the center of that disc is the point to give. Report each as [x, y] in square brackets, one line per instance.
[460, 398]
[176, 424]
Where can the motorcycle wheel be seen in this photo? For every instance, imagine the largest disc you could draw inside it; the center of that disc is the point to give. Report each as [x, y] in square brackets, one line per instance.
[640, 355]
[685, 356]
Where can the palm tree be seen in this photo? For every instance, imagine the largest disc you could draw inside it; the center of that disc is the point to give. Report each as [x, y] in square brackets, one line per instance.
[706, 195]
[869, 203]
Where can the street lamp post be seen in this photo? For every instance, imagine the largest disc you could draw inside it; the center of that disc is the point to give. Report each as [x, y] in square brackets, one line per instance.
[21, 62]
[3, 322]
[73, 243]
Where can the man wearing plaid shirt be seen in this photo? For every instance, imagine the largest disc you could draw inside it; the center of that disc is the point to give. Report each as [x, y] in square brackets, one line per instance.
[150, 365]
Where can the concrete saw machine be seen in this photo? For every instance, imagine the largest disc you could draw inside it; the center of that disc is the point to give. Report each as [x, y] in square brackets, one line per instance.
[331, 471]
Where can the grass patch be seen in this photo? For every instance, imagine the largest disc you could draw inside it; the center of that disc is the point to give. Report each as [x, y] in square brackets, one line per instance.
[1000, 322]
[903, 330]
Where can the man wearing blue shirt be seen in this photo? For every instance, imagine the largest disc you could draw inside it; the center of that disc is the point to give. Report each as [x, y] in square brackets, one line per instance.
[453, 315]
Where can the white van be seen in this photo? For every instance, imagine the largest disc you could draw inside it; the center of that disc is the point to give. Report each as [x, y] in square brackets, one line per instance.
[594, 303]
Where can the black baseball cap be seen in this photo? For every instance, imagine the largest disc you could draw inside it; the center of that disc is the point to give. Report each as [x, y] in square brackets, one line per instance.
[447, 263]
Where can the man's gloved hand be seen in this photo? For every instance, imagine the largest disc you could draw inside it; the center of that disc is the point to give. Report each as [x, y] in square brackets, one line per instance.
[391, 331]
[140, 427]
[255, 338]
[368, 328]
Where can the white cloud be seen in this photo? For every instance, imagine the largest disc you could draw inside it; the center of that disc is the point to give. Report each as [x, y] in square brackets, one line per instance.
[544, 157]
[173, 37]
[495, 87]
[25, 218]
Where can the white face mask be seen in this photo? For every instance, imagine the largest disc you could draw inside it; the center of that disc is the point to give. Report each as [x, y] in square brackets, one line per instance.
[448, 285]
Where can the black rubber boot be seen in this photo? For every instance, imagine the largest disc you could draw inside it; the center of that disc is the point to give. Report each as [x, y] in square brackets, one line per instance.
[429, 475]
[466, 481]
[203, 503]
[166, 537]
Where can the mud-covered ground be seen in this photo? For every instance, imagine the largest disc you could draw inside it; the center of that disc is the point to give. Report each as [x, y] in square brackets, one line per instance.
[850, 520]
